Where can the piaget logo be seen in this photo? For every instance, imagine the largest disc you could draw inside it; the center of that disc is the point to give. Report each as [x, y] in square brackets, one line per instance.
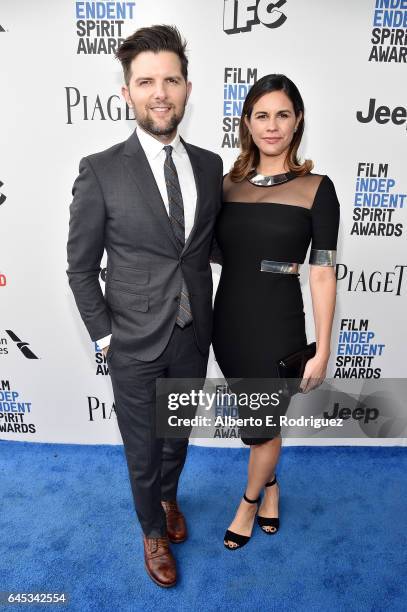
[82, 107]
[241, 15]
[100, 411]
[371, 281]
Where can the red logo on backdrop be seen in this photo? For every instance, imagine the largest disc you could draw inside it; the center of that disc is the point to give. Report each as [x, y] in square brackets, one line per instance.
[3, 280]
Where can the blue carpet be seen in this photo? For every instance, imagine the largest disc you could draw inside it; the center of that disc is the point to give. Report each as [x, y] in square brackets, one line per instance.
[67, 524]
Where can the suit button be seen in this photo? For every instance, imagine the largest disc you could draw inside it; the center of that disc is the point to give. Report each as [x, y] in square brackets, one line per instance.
[176, 299]
[181, 260]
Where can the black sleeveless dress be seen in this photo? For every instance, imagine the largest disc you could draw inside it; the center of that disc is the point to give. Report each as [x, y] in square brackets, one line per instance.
[258, 312]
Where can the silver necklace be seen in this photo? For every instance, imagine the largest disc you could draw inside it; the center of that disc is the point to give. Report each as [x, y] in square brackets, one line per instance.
[267, 181]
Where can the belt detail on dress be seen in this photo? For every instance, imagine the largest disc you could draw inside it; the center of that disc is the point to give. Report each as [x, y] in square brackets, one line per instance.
[281, 267]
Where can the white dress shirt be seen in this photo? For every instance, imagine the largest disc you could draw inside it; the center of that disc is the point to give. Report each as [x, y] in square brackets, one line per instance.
[154, 150]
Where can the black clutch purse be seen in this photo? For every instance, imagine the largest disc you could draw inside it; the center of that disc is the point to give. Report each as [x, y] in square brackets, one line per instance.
[293, 366]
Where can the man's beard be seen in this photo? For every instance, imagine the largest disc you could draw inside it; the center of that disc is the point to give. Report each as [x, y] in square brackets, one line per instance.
[148, 124]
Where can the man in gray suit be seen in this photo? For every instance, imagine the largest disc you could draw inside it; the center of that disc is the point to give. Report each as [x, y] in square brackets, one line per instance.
[151, 202]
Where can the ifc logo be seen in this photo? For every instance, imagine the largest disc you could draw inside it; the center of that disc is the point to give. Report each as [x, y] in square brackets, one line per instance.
[240, 15]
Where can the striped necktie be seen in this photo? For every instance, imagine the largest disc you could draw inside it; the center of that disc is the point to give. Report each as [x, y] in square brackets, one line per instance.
[176, 214]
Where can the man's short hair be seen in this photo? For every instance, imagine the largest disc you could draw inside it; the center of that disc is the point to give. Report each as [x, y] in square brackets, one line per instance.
[155, 38]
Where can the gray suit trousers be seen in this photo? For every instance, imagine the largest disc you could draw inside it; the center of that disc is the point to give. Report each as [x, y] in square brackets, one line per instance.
[154, 464]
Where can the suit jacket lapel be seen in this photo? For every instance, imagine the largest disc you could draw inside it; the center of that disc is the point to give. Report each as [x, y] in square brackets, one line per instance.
[139, 168]
[197, 169]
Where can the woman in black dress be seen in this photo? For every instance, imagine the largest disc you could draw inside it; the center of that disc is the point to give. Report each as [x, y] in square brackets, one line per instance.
[274, 207]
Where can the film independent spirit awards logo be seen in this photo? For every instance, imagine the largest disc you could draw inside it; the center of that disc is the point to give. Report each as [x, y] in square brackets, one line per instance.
[99, 25]
[389, 33]
[242, 15]
[379, 204]
[13, 411]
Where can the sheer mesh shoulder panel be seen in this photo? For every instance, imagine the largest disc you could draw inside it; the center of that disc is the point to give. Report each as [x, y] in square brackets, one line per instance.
[299, 191]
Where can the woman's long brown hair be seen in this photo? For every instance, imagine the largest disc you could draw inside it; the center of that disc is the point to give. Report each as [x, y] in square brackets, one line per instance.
[249, 156]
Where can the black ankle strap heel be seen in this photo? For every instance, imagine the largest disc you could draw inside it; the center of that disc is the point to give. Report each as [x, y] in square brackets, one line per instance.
[251, 501]
[271, 483]
[238, 540]
[264, 521]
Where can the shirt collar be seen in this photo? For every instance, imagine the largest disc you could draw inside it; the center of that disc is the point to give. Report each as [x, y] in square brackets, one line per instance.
[153, 147]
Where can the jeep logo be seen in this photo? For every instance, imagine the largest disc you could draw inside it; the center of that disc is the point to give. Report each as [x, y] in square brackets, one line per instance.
[382, 114]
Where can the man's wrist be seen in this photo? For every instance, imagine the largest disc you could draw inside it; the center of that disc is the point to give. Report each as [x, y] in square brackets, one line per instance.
[103, 342]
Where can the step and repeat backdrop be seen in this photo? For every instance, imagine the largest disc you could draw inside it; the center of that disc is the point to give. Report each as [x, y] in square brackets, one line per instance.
[61, 99]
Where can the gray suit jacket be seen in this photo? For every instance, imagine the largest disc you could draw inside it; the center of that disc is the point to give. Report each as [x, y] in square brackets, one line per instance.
[117, 206]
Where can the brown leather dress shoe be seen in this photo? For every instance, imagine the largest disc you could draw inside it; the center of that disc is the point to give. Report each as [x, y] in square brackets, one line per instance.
[159, 561]
[176, 525]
